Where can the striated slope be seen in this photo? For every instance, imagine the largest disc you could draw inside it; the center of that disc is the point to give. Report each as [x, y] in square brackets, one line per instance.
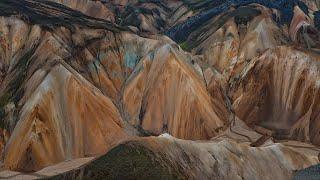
[79, 77]
[143, 17]
[282, 87]
[237, 38]
[167, 94]
[50, 113]
[64, 118]
[91, 8]
[45, 109]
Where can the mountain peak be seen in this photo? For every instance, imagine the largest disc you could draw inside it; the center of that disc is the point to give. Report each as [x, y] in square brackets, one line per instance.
[153, 89]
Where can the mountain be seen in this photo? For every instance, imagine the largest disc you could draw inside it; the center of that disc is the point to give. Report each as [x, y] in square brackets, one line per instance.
[226, 89]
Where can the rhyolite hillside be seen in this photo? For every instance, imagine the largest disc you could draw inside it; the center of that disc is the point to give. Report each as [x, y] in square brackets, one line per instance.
[152, 89]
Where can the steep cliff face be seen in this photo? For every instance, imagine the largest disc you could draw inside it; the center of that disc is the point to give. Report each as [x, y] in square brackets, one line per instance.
[64, 118]
[228, 82]
[286, 87]
[237, 37]
[167, 93]
[46, 96]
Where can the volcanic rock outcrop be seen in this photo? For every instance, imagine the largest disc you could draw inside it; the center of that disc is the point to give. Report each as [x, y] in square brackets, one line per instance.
[152, 89]
[166, 93]
[286, 87]
[64, 118]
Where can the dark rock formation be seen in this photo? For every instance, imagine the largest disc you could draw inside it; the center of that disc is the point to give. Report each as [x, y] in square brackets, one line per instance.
[310, 173]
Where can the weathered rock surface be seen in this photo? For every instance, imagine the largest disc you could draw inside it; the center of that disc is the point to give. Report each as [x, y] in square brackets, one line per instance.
[169, 158]
[280, 91]
[167, 94]
[236, 90]
[64, 118]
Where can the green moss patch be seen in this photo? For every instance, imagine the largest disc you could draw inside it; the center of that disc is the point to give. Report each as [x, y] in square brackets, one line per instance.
[127, 161]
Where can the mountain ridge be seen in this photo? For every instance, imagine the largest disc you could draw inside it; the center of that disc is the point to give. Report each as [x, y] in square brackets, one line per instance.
[83, 83]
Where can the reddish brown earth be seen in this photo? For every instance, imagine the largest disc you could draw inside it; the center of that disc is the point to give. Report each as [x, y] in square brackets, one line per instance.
[101, 89]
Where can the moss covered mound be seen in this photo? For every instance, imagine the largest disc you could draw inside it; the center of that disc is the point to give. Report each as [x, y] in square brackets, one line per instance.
[127, 161]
